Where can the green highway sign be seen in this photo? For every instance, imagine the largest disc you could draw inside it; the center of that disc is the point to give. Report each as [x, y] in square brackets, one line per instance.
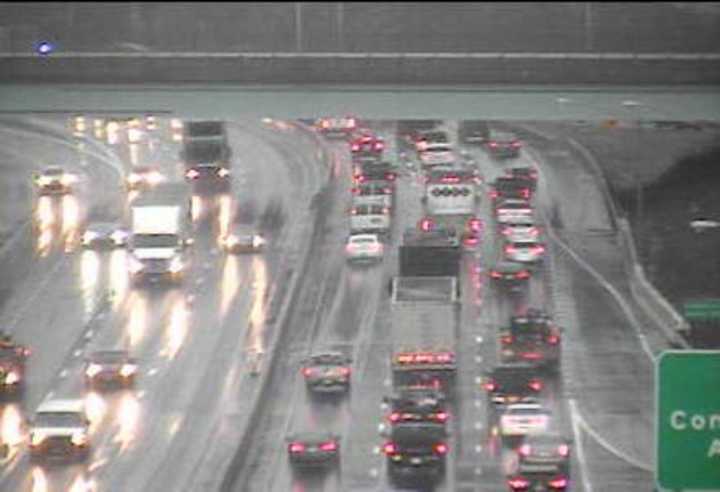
[702, 309]
[687, 401]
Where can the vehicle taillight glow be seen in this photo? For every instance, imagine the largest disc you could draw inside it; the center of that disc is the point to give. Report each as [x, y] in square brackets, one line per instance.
[553, 339]
[297, 447]
[496, 274]
[475, 224]
[558, 483]
[525, 450]
[441, 448]
[394, 417]
[390, 176]
[490, 386]
[471, 241]
[563, 450]
[379, 145]
[386, 210]
[426, 224]
[192, 174]
[535, 384]
[353, 211]
[441, 416]
[493, 194]
[525, 192]
[344, 371]
[355, 191]
[325, 124]
[351, 122]
[308, 371]
[518, 483]
[387, 190]
[422, 145]
[506, 339]
[355, 147]
[390, 448]
[516, 144]
[510, 249]
[493, 144]
[538, 250]
[522, 274]
[328, 446]
[450, 179]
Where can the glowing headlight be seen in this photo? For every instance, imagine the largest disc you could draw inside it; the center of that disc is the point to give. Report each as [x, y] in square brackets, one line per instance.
[89, 236]
[231, 241]
[127, 370]
[79, 439]
[36, 438]
[135, 265]
[154, 177]
[12, 377]
[119, 237]
[176, 124]
[134, 135]
[175, 265]
[93, 370]
[150, 123]
[192, 174]
[68, 179]
[258, 241]
[223, 172]
[134, 178]
[44, 181]
[80, 123]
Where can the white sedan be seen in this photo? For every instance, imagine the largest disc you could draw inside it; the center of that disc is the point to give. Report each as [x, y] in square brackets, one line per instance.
[364, 247]
[522, 419]
[526, 251]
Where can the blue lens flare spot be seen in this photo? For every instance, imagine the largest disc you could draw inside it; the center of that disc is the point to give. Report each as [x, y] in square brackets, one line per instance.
[44, 47]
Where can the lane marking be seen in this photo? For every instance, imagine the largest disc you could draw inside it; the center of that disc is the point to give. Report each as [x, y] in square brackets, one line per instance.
[574, 418]
[577, 417]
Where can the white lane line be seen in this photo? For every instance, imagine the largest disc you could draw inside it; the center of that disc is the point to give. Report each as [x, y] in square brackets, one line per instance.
[574, 418]
[577, 417]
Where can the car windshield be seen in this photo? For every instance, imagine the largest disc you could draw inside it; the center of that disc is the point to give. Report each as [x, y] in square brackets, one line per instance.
[59, 419]
[525, 411]
[109, 356]
[363, 240]
[155, 241]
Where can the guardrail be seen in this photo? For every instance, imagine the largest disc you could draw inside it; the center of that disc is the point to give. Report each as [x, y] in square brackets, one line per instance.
[355, 55]
[362, 68]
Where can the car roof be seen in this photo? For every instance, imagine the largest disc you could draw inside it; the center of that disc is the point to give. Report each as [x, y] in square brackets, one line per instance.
[106, 354]
[364, 237]
[62, 405]
[53, 170]
[509, 266]
[311, 436]
[102, 226]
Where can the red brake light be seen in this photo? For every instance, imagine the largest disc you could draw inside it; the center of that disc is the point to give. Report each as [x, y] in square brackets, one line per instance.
[516, 144]
[490, 386]
[558, 483]
[518, 483]
[351, 122]
[506, 339]
[297, 447]
[192, 174]
[475, 224]
[426, 225]
[441, 416]
[394, 417]
[493, 144]
[496, 274]
[390, 448]
[325, 123]
[379, 146]
[524, 450]
[328, 446]
[510, 249]
[308, 371]
[355, 147]
[553, 339]
[538, 249]
[493, 194]
[525, 192]
[535, 384]
[355, 191]
[345, 371]
[522, 274]
[450, 179]
[387, 190]
[390, 176]
[386, 210]
[563, 450]
[441, 448]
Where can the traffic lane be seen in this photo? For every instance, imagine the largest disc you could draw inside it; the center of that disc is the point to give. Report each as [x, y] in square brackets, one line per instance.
[196, 425]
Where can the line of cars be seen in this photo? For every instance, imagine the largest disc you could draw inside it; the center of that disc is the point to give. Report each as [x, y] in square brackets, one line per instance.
[156, 239]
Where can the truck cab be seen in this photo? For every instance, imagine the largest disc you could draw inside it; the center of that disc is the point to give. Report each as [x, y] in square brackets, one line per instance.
[160, 235]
